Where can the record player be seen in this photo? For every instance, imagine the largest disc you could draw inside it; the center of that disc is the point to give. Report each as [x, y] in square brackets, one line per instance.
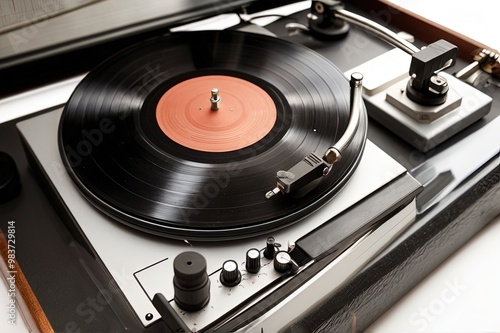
[251, 179]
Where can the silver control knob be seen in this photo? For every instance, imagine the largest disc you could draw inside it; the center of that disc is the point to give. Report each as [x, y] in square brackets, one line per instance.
[230, 275]
[252, 263]
[282, 261]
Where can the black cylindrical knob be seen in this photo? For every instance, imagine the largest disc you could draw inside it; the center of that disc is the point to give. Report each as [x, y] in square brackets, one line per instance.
[252, 262]
[230, 275]
[191, 283]
[10, 184]
[270, 248]
[282, 261]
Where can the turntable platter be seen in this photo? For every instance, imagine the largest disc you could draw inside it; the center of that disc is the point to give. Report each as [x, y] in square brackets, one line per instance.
[149, 143]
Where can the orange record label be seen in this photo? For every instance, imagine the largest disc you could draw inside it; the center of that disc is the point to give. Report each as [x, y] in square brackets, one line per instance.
[216, 113]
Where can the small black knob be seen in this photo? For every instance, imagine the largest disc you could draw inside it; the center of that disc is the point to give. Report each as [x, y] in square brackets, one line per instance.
[270, 248]
[10, 184]
[252, 263]
[191, 283]
[230, 275]
[282, 261]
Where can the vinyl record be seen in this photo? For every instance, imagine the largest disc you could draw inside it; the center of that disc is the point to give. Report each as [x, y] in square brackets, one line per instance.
[149, 143]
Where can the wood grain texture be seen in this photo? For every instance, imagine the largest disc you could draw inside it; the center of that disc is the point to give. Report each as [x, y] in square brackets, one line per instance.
[383, 11]
[23, 289]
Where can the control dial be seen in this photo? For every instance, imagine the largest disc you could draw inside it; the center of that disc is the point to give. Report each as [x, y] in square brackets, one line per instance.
[252, 263]
[230, 275]
[191, 282]
[270, 248]
[282, 261]
[10, 184]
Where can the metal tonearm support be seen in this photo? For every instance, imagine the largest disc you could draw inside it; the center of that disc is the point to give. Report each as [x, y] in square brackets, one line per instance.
[376, 29]
[329, 20]
[313, 166]
[425, 86]
[334, 153]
